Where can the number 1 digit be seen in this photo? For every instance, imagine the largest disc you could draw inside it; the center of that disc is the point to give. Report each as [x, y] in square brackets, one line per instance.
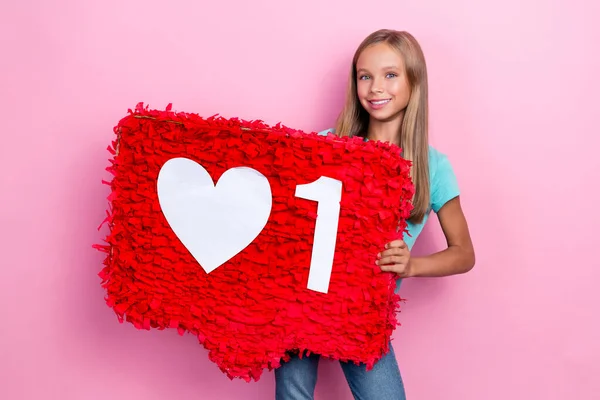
[327, 192]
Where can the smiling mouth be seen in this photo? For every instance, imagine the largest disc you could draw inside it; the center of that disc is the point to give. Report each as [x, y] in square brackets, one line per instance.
[379, 102]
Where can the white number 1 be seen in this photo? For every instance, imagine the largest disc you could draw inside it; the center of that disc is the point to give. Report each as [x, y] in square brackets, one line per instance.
[327, 192]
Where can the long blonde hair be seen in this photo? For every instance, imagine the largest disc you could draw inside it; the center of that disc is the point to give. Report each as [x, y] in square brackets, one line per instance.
[414, 139]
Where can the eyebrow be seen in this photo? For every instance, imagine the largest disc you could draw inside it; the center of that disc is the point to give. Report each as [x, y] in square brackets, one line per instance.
[385, 68]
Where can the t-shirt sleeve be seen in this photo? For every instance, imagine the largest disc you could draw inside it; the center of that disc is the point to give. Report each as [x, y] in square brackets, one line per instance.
[326, 131]
[444, 185]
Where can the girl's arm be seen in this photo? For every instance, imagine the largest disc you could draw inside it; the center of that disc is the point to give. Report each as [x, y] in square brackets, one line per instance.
[458, 258]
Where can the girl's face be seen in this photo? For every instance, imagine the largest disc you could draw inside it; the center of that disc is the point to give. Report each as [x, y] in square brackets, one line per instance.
[382, 85]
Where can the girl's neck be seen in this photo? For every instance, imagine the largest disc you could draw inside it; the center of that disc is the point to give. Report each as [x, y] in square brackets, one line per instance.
[385, 131]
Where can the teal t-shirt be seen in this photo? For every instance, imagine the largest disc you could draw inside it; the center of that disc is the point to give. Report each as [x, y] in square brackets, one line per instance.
[443, 187]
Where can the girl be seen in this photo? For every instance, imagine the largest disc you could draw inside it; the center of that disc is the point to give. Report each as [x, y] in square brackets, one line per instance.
[387, 101]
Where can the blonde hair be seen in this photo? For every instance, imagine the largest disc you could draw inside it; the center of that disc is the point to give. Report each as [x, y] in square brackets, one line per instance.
[414, 140]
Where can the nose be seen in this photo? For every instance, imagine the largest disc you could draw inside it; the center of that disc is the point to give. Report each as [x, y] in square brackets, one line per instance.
[376, 86]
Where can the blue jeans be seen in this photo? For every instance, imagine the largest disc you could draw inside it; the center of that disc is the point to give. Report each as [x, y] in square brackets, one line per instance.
[297, 378]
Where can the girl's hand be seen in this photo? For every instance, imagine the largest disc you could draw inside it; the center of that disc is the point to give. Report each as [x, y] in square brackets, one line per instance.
[395, 258]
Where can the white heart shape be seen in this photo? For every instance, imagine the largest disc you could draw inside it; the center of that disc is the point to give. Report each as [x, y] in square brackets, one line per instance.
[213, 222]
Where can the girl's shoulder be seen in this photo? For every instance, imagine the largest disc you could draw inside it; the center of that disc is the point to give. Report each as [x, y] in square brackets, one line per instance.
[442, 179]
[437, 159]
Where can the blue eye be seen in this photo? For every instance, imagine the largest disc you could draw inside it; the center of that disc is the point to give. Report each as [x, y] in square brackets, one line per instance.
[363, 77]
[391, 75]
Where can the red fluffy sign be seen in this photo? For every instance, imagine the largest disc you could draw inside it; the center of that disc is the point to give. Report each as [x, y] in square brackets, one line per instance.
[276, 254]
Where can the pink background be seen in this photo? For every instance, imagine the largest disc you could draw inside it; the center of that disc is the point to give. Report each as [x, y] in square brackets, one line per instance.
[514, 86]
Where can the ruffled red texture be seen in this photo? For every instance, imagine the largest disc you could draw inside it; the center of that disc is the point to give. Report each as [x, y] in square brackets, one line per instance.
[255, 310]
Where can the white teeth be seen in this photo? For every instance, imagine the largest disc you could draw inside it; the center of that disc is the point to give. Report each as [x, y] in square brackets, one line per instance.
[380, 102]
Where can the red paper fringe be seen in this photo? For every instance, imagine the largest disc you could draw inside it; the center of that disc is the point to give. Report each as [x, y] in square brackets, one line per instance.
[253, 311]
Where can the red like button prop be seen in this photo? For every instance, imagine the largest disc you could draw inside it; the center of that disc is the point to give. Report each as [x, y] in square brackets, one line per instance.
[259, 240]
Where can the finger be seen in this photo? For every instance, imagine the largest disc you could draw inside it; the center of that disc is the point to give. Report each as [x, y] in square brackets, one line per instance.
[396, 268]
[392, 252]
[396, 244]
[391, 260]
[387, 268]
